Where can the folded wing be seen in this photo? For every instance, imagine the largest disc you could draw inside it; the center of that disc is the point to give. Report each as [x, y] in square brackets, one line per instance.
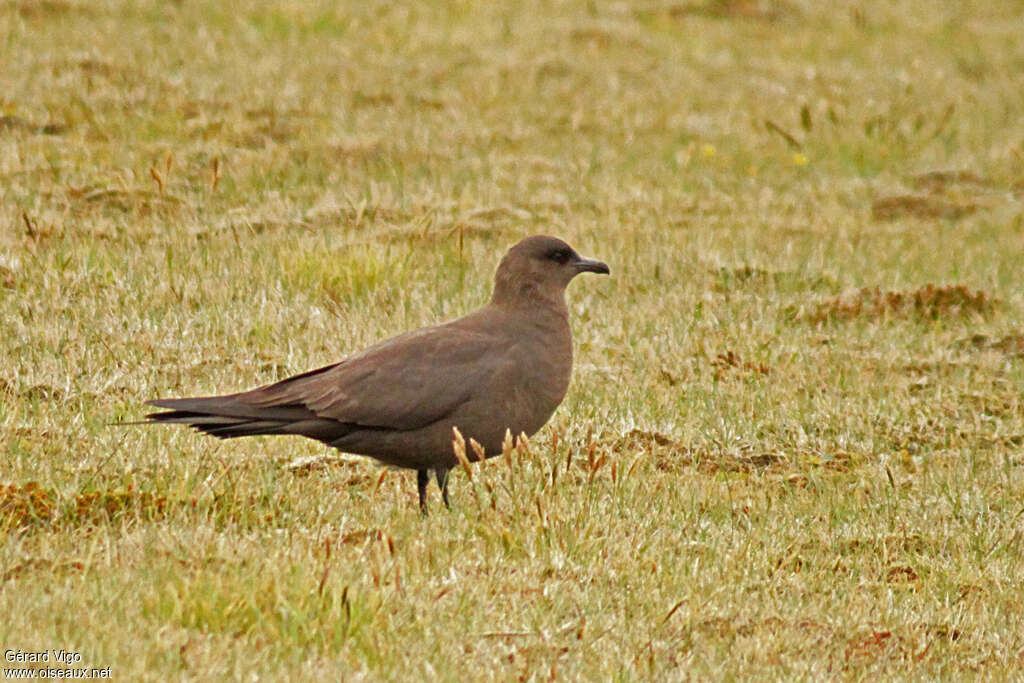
[404, 383]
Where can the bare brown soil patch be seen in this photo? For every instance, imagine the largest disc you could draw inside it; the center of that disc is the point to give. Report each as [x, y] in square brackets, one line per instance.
[16, 124]
[1010, 345]
[41, 565]
[730, 361]
[934, 181]
[921, 206]
[725, 9]
[30, 505]
[44, 9]
[851, 649]
[671, 455]
[930, 302]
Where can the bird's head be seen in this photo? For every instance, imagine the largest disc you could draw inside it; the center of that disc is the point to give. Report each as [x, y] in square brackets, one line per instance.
[540, 267]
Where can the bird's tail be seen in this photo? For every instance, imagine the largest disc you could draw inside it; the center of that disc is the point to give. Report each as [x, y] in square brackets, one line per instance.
[228, 417]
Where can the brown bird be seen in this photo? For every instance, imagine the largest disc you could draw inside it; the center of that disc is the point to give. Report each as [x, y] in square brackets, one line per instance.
[504, 367]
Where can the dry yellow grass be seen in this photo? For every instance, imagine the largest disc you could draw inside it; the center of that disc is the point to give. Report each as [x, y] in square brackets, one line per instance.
[793, 445]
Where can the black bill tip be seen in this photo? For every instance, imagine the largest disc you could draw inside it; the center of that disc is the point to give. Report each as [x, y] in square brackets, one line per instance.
[589, 265]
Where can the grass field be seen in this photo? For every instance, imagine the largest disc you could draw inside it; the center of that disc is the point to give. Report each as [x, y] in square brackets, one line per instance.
[794, 442]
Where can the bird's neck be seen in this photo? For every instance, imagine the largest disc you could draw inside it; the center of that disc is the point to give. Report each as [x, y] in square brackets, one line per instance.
[543, 305]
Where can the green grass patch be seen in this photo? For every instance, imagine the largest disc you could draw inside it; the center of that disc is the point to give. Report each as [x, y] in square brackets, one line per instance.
[793, 443]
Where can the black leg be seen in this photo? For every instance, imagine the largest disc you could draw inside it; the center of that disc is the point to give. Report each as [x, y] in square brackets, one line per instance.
[422, 479]
[441, 473]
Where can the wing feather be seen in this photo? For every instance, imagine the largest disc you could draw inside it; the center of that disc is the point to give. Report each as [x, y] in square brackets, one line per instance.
[404, 383]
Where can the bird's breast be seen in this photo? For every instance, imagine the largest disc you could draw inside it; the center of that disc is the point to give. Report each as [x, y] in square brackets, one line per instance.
[534, 380]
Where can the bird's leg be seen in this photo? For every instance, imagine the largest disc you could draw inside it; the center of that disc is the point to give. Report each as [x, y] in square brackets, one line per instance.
[441, 473]
[422, 479]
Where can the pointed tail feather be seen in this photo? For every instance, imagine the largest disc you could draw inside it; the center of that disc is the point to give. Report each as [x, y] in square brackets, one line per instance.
[228, 417]
[230, 406]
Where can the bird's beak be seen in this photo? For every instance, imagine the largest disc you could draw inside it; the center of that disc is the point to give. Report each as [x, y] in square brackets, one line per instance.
[589, 265]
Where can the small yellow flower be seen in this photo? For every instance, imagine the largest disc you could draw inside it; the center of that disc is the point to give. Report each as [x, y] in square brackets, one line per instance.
[708, 150]
[799, 159]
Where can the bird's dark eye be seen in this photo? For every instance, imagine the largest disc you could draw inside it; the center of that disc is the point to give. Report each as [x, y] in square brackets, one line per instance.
[560, 255]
